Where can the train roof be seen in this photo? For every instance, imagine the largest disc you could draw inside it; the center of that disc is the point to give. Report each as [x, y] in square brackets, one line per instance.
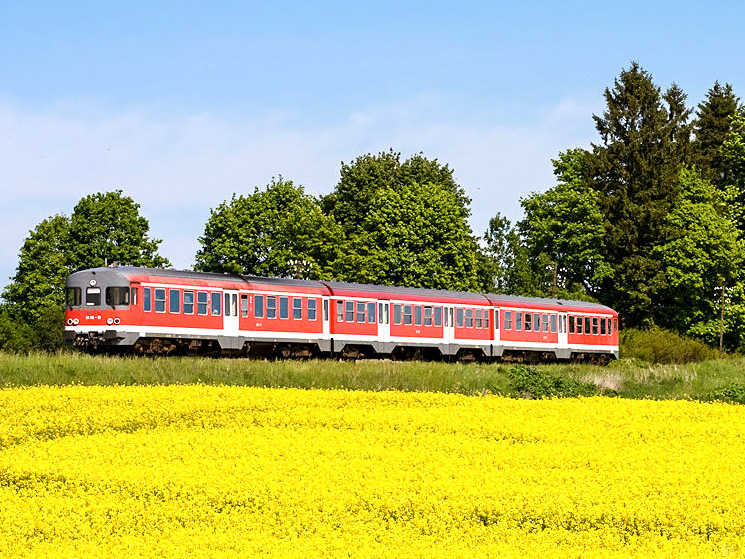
[346, 288]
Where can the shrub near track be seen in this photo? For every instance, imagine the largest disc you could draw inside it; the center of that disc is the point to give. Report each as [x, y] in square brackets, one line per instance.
[197, 471]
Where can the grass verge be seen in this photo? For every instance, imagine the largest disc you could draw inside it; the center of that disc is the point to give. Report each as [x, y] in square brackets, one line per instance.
[629, 378]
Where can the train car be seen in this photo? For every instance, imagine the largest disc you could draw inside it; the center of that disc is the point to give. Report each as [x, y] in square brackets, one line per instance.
[163, 312]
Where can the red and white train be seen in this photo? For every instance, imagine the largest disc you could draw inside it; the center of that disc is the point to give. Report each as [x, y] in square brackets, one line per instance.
[153, 311]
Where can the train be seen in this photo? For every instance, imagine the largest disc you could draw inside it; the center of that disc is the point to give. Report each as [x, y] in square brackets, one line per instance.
[138, 310]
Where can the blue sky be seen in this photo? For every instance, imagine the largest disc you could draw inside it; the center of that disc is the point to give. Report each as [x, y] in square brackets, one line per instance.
[181, 104]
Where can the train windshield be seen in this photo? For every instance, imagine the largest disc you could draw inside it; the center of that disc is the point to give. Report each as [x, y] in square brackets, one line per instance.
[117, 296]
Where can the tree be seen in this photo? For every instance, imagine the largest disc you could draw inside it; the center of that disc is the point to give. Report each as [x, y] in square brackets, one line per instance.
[280, 231]
[108, 227]
[406, 223]
[413, 235]
[635, 170]
[732, 152]
[102, 226]
[362, 179]
[702, 260]
[566, 226]
[42, 270]
[712, 125]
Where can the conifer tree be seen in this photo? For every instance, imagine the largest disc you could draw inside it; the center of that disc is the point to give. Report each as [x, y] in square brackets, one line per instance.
[711, 127]
[635, 169]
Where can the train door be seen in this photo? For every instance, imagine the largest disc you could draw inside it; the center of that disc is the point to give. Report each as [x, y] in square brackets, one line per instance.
[449, 324]
[563, 336]
[230, 312]
[384, 321]
[326, 318]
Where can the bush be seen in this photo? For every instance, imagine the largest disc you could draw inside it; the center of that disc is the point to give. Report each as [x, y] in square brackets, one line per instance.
[531, 382]
[656, 345]
[733, 392]
[15, 335]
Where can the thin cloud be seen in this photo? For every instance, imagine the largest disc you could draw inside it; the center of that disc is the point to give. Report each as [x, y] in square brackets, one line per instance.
[178, 168]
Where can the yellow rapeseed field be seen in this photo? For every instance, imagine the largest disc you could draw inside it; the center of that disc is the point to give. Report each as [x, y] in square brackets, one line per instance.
[200, 471]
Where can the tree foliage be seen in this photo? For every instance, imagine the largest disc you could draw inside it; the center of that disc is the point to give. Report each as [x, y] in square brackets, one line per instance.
[280, 231]
[635, 170]
[406, 223]
[711, 127]
[413, 234]
[107, 227]
[42, 270]
[702, 253]
[565, 227]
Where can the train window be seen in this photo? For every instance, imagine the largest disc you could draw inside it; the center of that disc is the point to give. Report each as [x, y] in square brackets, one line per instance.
[588, 323]
[595, 325]
[428, 316]
[469, 318]
[580, 322]
[396, 314]
[371, 313]
[615, 325]
[447, 313]
[602, 326]
[438, 316]
[160, 300]
[133, 296]
[386, 308]
[174, 301]
[380, 313]
[460, 317]
[188, 302]
[284, 307]
[202, 297]
[553, 324]
[417, 315]
[361, 313]
[407, 315]
[349, 311]
[297, 308]
[528, 321]
[518, 321]
[271, 306]
[146, 305]
[536, 322]
[544, 325]
[479, 318]
[507, 320]
[216, 310]
[226, 306]
[312, 309]
[325, 310]
[116, 296]
[340, 311]
[73, 296]
[610, 325]
[244, 305]
[259, 306]
[486, 319]
[234, 304]
[571, 325]
[93, 296]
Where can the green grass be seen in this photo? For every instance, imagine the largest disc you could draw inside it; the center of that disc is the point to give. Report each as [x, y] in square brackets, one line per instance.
[629, 378]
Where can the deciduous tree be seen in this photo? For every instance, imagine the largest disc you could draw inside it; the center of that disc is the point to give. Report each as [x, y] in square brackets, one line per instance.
[279, 232]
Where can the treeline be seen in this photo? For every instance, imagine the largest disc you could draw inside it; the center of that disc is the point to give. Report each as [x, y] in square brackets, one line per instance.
[649, 220]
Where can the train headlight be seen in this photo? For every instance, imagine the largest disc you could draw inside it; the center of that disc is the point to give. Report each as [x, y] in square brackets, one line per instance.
[109, 321]
[75, 321]
[116, 321]
[69, 321]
